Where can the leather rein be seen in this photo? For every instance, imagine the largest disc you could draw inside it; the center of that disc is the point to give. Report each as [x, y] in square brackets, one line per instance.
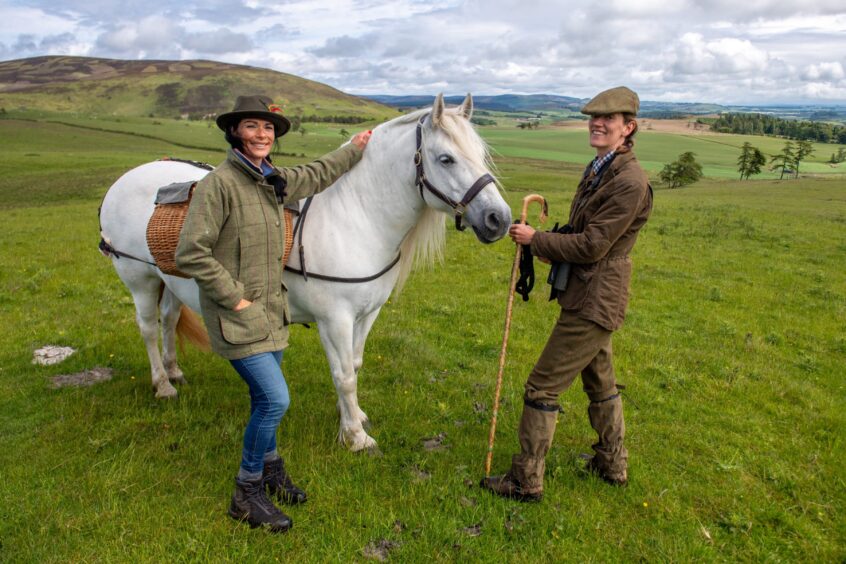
[421, 182]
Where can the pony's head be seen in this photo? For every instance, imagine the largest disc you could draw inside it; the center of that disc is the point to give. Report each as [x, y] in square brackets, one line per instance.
[455, 165]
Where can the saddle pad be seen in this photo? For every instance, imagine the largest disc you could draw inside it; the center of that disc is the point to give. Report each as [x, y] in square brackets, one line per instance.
[166, 223]
[175, 193]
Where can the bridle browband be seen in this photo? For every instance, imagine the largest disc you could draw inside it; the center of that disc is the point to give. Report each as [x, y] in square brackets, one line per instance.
[422, 182]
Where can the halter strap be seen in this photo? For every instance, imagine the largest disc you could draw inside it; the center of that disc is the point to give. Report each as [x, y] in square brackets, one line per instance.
[422, 182]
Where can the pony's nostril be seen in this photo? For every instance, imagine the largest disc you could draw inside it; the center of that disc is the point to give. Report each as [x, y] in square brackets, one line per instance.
[492, 221]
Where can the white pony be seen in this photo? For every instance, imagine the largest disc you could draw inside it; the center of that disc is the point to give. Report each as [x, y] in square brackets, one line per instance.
[378, 211]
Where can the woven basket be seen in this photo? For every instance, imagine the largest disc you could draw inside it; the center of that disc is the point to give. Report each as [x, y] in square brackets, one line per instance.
[163, 234]
[166, 223]
[289, 235]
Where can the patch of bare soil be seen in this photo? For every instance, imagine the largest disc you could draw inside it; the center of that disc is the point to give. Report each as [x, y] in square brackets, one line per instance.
[434, 443]
[84, 378]
[379, 550]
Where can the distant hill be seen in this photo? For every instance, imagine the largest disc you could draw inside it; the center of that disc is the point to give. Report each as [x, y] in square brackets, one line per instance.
[547, 103]
[501, 103]
[165, 88]
[649, 109]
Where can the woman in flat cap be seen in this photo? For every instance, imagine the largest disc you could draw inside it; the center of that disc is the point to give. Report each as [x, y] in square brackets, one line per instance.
[232, 244]
[612, 203]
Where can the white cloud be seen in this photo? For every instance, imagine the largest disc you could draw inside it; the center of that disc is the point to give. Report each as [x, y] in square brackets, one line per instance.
[824, 71]
[691, 50]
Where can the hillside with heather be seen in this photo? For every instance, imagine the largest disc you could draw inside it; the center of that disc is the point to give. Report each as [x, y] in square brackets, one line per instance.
[151, 88]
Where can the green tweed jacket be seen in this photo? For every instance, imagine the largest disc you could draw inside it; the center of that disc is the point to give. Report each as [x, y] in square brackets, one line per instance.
[232, 244]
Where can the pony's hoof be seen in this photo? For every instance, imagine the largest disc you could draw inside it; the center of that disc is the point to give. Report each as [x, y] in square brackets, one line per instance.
[355, 442]
[174, 374]
[177, 379]
[166, 391]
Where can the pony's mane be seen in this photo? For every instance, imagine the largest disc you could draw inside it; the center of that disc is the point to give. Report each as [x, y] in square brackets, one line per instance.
[424, 244]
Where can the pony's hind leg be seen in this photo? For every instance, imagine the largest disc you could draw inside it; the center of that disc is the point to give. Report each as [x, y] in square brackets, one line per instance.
[336, 334]
[146, 297]
[170, 307]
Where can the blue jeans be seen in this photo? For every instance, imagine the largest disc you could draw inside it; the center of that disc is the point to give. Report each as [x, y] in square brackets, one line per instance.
[269, 401]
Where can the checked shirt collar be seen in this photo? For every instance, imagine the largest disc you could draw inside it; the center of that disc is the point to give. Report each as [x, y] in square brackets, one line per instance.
[597, 162]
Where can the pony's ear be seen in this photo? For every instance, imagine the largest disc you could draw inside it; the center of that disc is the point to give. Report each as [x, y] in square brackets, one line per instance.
[466, 107]
[438, 110]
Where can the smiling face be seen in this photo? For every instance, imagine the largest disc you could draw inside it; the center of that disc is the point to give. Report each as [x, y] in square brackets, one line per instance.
[608, 132]
[257, 136]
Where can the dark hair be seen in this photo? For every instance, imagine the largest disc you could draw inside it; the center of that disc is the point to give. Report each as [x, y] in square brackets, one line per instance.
[629, 118]
[233, 140]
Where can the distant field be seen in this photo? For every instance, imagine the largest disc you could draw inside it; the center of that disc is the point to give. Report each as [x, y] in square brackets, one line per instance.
[717, 153]
[733, 356]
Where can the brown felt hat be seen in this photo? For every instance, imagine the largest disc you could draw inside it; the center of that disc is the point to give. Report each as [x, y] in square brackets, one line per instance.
[260, 107]
[616, 100]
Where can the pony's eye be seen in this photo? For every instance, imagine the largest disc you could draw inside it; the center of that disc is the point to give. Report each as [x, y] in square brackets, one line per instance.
[446, 159]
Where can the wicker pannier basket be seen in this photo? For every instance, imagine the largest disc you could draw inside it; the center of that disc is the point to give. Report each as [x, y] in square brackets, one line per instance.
[163, 234]
[164, 228]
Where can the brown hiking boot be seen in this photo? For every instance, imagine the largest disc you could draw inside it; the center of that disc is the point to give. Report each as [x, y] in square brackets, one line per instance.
[251, 504]
[507, 486]
[279, 484]
[619, 478]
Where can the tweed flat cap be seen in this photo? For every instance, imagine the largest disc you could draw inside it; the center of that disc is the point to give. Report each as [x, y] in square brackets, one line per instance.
[616, 100]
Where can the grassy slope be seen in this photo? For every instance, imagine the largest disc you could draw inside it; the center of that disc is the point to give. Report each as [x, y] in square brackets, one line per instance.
[129, 88]
[732, 353]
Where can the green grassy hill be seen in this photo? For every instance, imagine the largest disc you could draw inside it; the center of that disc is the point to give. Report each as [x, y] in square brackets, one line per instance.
[164, 88]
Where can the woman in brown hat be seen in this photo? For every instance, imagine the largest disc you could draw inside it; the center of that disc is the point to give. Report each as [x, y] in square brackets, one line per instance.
[232, 245]
[612, 203]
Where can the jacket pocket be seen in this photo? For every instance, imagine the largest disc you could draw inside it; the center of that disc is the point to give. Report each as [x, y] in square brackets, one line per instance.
[579, 287]
[246, 326]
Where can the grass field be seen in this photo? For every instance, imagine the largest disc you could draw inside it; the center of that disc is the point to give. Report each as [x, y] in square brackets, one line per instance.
[733, 355]
[716, 153]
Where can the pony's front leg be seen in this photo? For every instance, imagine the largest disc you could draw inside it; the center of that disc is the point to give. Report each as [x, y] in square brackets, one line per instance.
[361, 330]
[146, 300]
[336, 335]
[170, 309]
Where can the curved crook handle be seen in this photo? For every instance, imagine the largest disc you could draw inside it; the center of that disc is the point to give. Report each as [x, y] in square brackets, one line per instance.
[534, 198]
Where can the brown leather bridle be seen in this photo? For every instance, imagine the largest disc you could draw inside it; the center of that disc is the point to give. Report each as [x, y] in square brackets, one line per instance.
[422, 182]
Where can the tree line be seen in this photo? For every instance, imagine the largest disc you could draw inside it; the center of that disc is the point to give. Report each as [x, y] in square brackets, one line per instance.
[685, 170]
[762, 124]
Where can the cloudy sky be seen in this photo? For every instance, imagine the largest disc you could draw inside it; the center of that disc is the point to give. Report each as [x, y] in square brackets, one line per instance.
[724, 51]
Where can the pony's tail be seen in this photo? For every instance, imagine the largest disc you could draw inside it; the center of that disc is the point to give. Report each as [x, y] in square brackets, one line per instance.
[190, 329]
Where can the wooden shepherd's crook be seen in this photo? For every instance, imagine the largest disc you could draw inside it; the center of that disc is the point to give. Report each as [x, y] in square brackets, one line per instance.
[514, 268]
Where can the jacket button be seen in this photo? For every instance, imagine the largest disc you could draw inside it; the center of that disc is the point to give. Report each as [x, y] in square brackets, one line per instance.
[278, 293]
[277, 224]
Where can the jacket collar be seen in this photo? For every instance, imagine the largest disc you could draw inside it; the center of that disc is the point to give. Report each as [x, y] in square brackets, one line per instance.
[244, 167]
[622, 158]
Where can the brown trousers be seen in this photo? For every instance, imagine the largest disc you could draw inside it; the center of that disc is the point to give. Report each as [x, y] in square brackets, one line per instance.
[575, 346]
